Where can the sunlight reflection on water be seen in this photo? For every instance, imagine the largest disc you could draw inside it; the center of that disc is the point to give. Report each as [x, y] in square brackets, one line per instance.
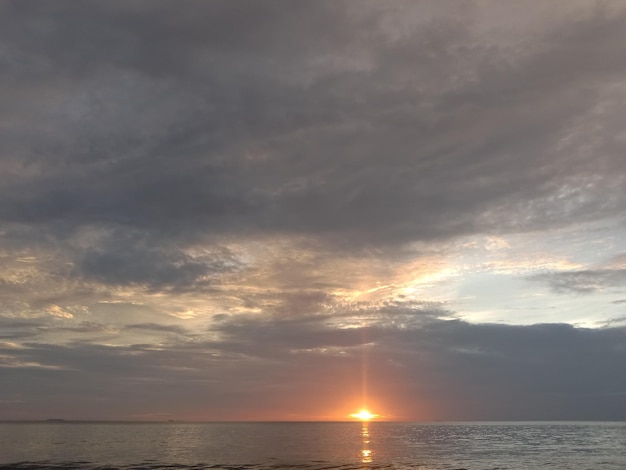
[366, 452]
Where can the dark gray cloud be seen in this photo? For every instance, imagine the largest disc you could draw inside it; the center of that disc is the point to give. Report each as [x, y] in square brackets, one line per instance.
[161, 38]
[504, 372]
[17, 330]
[439, 133]
[158, 327]
[584, 281]
[130, 260]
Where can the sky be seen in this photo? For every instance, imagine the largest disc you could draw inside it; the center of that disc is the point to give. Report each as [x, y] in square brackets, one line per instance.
[281, 210]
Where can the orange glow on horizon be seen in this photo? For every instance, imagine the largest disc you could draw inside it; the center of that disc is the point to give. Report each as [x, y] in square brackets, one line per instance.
[364, 415]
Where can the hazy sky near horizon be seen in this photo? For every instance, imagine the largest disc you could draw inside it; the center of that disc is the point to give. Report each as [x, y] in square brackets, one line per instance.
[258, 209]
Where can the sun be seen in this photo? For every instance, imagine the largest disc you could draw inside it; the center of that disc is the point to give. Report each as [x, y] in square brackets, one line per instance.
[364, 415]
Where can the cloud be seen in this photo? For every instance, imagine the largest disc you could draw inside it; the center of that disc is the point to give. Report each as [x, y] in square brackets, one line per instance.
[242, 196]
[583, 281]
[450, 369]
[128, 260]
[159, 328]
[605, 277]
[253, 149]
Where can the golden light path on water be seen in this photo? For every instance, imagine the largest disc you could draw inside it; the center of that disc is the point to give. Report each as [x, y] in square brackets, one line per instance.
[366, 452]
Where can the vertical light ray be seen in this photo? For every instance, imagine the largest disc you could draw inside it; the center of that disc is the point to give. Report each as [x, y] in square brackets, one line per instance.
[364, 368]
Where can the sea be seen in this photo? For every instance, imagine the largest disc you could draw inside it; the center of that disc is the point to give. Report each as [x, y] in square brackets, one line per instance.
[313, 445]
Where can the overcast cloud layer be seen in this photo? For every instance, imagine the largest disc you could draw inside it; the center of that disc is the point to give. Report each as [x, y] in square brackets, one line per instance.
[279, 209]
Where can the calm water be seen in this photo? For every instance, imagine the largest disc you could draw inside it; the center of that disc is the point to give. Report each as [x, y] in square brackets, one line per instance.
[314, 445]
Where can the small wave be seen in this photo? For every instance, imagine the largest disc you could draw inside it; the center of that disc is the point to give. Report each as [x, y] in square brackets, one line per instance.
[82, 465]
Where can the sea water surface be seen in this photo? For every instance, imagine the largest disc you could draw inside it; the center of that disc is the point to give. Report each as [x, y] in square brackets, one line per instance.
[285, 445]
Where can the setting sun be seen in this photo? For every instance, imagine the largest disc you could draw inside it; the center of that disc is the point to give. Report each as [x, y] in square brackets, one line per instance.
[364, 415]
